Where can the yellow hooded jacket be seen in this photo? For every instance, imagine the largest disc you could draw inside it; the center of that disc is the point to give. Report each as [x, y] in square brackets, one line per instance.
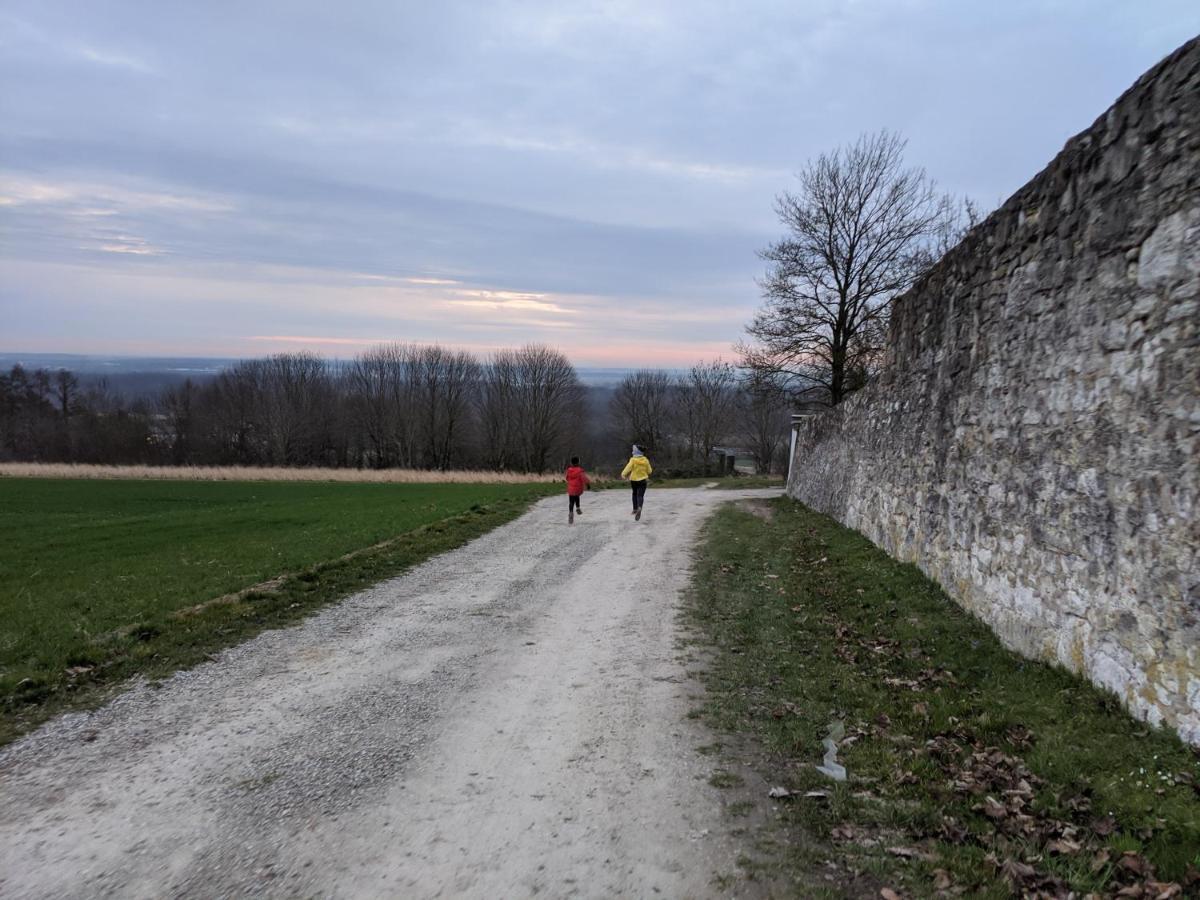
[638, 468]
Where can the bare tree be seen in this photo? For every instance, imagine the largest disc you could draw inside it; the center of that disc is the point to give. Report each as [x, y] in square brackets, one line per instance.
[179, 406]
[381, 395]
[642, 408]
[530, 407]
[861, 229]
[763, 417]
[25, 411]
[444, 383]
[66, 390]
[549, 403]
[229, 428]
[496, 400]
[705, 400]
[294, 399]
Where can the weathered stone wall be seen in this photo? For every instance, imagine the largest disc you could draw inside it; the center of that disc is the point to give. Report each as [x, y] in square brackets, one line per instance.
[1034, 443]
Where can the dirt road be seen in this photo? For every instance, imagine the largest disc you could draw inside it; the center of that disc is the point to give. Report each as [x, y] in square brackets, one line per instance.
[504, 720]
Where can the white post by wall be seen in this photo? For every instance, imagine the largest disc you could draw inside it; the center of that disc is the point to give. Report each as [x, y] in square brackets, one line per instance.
[797, 418]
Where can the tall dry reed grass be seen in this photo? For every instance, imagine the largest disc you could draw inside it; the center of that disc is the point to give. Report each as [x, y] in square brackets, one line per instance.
[257, 473]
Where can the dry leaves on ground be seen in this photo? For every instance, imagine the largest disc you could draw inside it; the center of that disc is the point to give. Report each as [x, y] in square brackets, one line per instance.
[1022, 835]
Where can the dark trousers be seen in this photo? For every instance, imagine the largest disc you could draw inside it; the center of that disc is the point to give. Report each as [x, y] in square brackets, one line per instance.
[639, 493]
[573, 502]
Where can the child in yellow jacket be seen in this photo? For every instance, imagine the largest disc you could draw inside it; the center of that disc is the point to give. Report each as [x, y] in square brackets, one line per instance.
[637, 470]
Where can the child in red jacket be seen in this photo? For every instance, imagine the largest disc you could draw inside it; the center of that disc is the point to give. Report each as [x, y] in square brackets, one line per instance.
[577, 483]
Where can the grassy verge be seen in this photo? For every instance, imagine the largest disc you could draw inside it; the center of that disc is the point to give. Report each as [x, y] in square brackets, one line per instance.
[102, 580]
[971, 770]
[722, 482]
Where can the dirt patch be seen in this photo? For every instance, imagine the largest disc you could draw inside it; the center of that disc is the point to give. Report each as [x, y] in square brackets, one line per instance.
[759, 508]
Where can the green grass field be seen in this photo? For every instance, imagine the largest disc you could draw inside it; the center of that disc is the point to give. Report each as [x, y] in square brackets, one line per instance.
[94, 574]
[971, 769]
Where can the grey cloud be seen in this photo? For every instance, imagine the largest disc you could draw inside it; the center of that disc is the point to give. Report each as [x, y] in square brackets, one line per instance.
[627, 150]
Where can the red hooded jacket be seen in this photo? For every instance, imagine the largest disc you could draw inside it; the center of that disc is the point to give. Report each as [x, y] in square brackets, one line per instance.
[577, 480]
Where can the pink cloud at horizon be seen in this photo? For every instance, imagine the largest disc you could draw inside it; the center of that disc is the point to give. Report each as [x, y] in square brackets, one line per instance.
[232, 311]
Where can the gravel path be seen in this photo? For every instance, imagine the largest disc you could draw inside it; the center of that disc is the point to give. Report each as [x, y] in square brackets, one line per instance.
[504, 720]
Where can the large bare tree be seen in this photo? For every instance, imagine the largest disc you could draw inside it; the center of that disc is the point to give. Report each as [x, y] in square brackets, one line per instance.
[497, 402]
[381, 391]
[295, 399]
[551, 399]
[642, 409]
[445, 382]
[861, 229]
[704, 402]
[530, 408]
[763, 417]
[179, 408]
[229, 415]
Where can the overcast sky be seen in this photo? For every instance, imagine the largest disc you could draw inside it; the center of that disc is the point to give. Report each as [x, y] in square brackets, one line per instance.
[235, 178]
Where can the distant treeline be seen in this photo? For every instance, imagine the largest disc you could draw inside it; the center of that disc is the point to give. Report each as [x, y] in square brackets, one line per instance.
[396, 406]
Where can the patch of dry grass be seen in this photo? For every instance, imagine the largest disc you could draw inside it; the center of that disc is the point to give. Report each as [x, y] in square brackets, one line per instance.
[262, 473]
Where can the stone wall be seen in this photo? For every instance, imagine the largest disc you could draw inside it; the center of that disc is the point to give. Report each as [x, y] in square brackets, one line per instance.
[1034, 442]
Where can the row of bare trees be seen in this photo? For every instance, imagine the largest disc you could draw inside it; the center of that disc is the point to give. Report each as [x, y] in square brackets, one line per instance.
[401, 406]
[683, 419]
[47, 415]
[396, 405]
[393, 406]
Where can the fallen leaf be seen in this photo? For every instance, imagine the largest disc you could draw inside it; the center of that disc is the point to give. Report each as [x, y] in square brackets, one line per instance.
[1079, 804]
[1019, 735]
[1064, 846]
[816, 795]
[779, 793]
[993, 809]
[1105, 826]
[1131, 861]
[941, 879]
[888, 894]
[1016, 871]
[952, 832]
[1164, 890]
[904, 852]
